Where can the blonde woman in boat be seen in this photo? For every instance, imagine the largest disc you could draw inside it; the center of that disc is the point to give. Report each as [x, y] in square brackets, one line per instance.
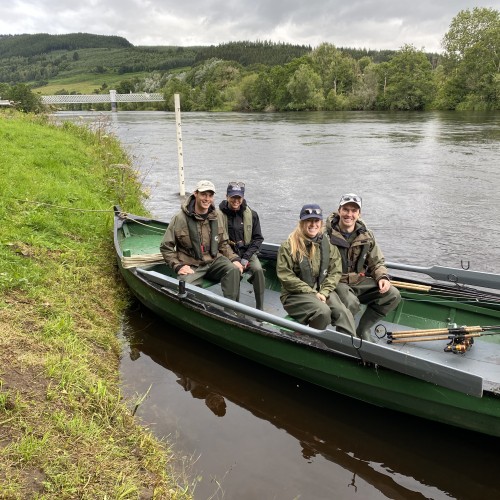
[309, 268]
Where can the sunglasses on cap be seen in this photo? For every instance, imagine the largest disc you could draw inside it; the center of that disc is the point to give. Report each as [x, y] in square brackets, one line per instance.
[310, 211]
[236, 185]
[350, 197]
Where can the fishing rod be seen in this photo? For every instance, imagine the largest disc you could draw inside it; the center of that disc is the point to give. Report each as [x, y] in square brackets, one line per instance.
[458, 344]
[455, 330]
[456, 291]
[460, 338]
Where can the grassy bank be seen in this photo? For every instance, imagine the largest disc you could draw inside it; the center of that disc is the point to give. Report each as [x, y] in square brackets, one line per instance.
[65, 431]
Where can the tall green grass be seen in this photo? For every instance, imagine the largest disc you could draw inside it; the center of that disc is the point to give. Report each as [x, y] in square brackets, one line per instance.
[66, 432]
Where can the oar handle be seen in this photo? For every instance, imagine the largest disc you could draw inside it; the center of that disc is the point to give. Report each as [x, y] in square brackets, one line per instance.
[411, 286]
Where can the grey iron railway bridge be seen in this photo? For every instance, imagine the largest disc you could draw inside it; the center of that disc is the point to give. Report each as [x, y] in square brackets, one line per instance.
[113, 97]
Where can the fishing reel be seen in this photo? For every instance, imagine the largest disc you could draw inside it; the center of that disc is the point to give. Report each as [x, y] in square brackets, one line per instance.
[459, 344]
[380, 331]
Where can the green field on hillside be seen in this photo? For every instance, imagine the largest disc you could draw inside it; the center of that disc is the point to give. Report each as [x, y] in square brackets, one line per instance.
[86, 83]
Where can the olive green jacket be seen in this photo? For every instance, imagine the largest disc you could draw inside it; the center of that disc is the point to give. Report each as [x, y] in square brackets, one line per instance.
[290, 272]
[177, 245]
[361, 255]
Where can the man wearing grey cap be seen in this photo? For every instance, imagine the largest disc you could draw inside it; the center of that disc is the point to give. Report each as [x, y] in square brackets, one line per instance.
[195, 244]
[365, 278]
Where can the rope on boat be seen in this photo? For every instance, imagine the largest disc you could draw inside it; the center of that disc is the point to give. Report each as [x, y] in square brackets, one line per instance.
[124, 215]
[142, 260]
[62, 207]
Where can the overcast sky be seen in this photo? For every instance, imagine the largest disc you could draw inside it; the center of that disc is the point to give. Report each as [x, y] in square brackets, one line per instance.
[371, 24]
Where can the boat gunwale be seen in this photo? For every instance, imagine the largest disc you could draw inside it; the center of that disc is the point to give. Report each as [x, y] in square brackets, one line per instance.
[254, 327]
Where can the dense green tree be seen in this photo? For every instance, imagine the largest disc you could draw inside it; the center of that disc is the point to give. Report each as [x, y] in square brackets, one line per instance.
[187, 96]
[366, 89]
[259, 92]
[126, 87]
[410, 85]
[24, 99]
[4, 89]
[305, 89]
[337, 70]
[472, 61]
[245, 93]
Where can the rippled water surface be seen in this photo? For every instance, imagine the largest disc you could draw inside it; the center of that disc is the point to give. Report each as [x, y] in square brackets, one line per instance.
[430, 184]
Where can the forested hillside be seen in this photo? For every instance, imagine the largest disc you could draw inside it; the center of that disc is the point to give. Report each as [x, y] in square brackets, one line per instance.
[37, 59]
[268, 76]
[43, 43]
[247, 53]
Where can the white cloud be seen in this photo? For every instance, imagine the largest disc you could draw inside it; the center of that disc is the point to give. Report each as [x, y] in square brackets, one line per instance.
[382, 24]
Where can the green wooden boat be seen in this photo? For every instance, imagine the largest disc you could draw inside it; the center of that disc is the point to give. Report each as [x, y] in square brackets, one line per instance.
[454, 379]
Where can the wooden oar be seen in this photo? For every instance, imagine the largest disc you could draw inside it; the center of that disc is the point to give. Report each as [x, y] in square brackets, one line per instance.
[411, 286]
[453, 275]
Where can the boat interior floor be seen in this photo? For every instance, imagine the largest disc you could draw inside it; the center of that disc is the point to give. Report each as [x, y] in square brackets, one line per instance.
[483, 359]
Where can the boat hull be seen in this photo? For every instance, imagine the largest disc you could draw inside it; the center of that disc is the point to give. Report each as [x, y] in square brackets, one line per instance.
[287, 352]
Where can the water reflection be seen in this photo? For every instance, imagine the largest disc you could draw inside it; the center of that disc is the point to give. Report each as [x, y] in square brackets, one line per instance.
[333, 447]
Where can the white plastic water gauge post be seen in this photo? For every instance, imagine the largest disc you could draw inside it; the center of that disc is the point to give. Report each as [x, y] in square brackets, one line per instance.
[177, 104]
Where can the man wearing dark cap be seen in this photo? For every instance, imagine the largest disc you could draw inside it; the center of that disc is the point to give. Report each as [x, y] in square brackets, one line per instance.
[245, 236]
[195, 244]
[365, 278]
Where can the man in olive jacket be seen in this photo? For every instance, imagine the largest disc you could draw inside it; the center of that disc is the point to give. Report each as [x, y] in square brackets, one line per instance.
[365, 278]
[196, 244]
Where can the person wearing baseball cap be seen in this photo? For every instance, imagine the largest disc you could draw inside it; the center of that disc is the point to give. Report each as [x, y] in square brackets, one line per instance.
[309, 268]
[195, 243]
[365, 278]
[245, 236]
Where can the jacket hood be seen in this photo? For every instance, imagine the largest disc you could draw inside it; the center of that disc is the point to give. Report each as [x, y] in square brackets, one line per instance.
[334, 218]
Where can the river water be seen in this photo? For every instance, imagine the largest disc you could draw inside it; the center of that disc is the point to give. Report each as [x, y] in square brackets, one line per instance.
[430, 184]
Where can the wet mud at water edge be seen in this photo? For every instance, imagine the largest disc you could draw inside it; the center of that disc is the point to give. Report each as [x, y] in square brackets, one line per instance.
[254, 433]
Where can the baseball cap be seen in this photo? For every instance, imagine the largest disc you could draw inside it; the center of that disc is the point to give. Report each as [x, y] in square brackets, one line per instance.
[236, 188]
[205, 186]
[311, 211]
[350, 198]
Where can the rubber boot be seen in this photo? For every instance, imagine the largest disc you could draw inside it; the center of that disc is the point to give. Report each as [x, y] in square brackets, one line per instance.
[369, 319]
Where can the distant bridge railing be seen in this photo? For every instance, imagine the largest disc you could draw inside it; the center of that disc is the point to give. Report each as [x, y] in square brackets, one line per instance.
[113, 97]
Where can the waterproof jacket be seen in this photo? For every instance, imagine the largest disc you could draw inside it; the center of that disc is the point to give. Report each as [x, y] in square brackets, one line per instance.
[243, 228]
[195, 240]
[321, 275]
[361, 256]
